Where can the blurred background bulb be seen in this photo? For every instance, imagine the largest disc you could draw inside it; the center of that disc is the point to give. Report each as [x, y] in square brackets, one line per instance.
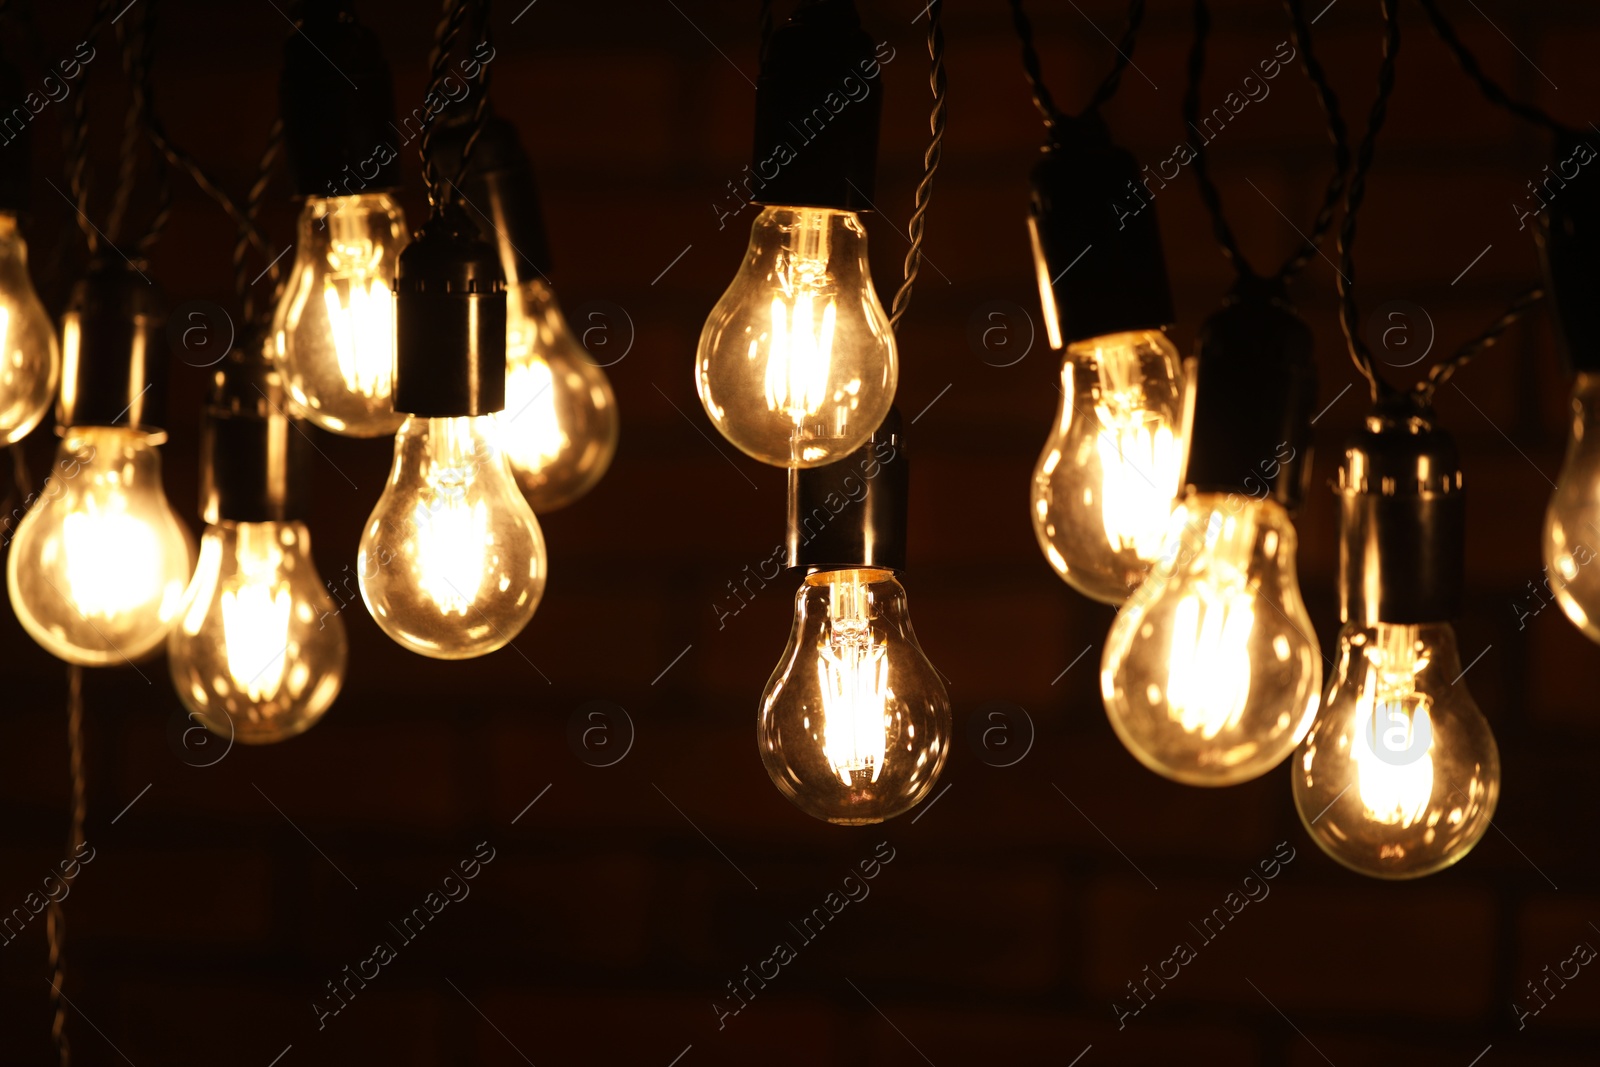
[30, 361]
[334, 325]
[99, 565]
[855, 722]
[1400, 774]
[1211, 671]
[1572, 522]
[452, 562]
[259, 653]
[796, 364]
[559, 426]
[1104, 485]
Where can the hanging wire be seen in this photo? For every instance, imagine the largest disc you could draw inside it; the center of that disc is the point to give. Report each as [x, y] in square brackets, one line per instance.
[77, 139]
[444, 40]
[480, 115]
[1300, 30]
[252, 212]
[1344, 278]
[1490, 89]
[930, 162]
[136, 59]
[55, 918]
[1444, 370]
[1202, 167]
[1052, 115]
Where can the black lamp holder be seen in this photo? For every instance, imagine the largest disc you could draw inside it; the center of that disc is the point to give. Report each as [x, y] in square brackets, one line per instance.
[114, 371]
[253, 459]
[498, 189]
[852, 512]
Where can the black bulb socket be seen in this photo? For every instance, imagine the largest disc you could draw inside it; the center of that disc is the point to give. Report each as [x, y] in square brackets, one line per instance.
[1402, 520]
[852, 513]
[450, 322]
[498, 190]
[1568, 237]
[114, 351]
[819, 99]
[1096, 241]
[1254, 387]
[336, 97]
[253, 457]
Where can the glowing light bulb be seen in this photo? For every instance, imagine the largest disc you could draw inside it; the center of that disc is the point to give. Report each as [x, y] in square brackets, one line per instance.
[30, 361]
[1572, 522]
[855, 723]
[1400, 774]
[559, 426]
[259, 653]
[1104, 485]
[334, 326]
[1211, 672]
[797, 364]
[452, 562]
[98, 567]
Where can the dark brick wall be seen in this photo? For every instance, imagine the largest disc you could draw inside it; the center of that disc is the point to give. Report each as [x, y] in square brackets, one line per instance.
[1017, 907]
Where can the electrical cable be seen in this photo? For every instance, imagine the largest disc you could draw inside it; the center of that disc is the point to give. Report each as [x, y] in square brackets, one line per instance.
[1444, 370]
[1052, 115]
[77, 139]
[930, 162]
[1490, 89]
[445, 35]
[55, 918]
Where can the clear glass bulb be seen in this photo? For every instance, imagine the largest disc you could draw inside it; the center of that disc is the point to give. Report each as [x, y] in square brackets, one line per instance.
[30, 360]
[1572, 522]
[855, 722]
[259, 653]
[1211, 672]
[797, 364]
[99, 564]
[334, 325]
[559, 426]
[452, 563]
[1104, 485]
[1400, 774]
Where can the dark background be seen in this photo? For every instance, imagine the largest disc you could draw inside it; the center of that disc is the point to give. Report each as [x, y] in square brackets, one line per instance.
[1021, 902]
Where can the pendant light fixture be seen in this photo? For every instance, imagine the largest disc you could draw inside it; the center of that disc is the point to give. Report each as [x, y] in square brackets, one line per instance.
[1104, 484]
[1400, 774]
[334, 323]
[797, 362]
[452, 561]
[30, 361]
[259, 652]
[559, 427]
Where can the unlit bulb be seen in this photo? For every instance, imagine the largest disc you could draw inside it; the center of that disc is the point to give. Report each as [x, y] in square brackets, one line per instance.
[559, 426]
[1400, 774]
[796, 364]
[99, 565]
[30, 361]
[1211, 672]
[855, 722]
[259, 653]
[1572, 522]
[334, 325]
[452, 562]
[1104, 485]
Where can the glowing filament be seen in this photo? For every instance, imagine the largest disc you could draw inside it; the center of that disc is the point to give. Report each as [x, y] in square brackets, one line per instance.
[113, 559]
[255, 616]
[1141, 455]
[1208, 682]
[451, 519]
[853, 668]
[361, 319]
[531, 407]
[1394, 733]
[799, 355]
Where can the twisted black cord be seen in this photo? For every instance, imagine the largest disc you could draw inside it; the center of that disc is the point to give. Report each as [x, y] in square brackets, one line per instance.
[1130, 35]
[137, 61]
[444, 40]
[77, 138]
[55, 918]
[930, 162]
[1444, 370]
[1337, 133]
[132, 128]
[252, 211]
[1490, 89]
[1202, 167]
[1344, 277]
[1030, 67]
[186, 163]
[480, 116]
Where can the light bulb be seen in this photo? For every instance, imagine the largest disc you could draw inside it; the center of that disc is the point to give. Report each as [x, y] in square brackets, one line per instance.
[99, 565]
[1399, 776]
[1572, 522]
[559, 426]
[30, 361]
[796, 365]
[1104, 485]
[259, 653]
[855, 722]
[452, 563]
[1211, 672]
[334, 325]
